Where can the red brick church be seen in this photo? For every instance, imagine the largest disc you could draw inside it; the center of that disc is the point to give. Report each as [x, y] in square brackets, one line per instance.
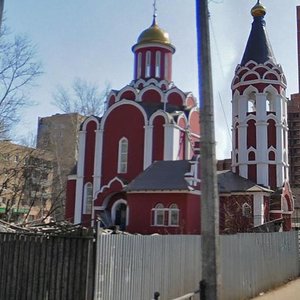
[138, 163]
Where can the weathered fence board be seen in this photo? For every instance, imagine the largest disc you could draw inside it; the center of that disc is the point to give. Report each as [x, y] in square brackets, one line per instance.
[251, 263]
[134, 267]
[45, 268]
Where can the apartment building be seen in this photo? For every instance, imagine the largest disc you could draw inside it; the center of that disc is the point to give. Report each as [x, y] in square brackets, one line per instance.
[58, 134]
[26, 178]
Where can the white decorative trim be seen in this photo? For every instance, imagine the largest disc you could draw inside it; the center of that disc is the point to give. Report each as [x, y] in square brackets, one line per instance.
[110, 183]
[120, 162]
[158, 64]
[150, 81]
[149, 45]
[79, 182]
[273, 73]
[107, 199]
[243, 193]
[89, 119]
[87, 184]
[257, 81]
[98, 160]
[178, 91]
[171, 142]
[159, 208]
[123, 102]
[168, 118]
[126, 88]
[250, 72]
[182, 116]
[139, 65]
[249, 90]
[258, 209]
[193, 192]
[270, 89]
[114, 208]
[195, 135]
[149, 88]
[148, 145]
[281, 212]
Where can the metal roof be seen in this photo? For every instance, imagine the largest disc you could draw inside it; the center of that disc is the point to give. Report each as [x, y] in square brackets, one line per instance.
[229, 182]
[170, 176]
[258, 47]
[162, 175]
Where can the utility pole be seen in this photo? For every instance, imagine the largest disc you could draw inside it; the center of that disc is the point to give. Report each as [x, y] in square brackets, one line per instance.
[210, 284]
[1, 12]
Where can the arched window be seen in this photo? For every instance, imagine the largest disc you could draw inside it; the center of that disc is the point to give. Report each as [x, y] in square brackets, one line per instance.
[148, 64]
[123, 155]
[120, 214]
[270, 102]
[252, 102]
[166, 66]
[157, 64]
[271, 155]
[139, 65]
[251, 156]
[272, 133]
[159, 215]
[246, 210]
[88, 198]
[251, 105]
[173, 215]
[236, 135]
[251, 133]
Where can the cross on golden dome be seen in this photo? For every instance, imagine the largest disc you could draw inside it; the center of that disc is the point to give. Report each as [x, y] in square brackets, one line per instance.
[154, 9]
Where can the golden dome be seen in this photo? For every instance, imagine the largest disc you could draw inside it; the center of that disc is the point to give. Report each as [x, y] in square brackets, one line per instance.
[154, 34]
[258, 10]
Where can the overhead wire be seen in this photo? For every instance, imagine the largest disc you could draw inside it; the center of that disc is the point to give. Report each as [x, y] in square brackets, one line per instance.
[223, 74]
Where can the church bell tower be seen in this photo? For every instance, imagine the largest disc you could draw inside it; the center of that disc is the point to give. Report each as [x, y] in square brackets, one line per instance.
[259, 111]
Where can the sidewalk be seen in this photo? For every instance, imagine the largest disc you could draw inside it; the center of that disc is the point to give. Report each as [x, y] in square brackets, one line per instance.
[289, 291]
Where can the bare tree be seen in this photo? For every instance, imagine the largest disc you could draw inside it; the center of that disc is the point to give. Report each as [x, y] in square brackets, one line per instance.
[84, 98]
[26, 184]
[1, 12]
[18, 71]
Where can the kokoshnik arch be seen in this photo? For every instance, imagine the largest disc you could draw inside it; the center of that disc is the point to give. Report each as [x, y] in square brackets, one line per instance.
[138, 164]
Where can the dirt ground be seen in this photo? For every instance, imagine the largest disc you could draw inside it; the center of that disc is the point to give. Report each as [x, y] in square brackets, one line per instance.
[289, 291]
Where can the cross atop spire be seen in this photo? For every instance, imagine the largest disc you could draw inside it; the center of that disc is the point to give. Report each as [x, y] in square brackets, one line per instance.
[154, 11]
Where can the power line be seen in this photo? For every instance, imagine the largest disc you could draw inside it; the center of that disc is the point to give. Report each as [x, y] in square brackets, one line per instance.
[223, 75]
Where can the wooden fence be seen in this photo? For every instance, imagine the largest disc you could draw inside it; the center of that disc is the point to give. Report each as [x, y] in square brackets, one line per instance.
[46, 268]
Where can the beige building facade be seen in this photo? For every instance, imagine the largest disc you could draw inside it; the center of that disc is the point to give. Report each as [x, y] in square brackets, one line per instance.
[26, 179]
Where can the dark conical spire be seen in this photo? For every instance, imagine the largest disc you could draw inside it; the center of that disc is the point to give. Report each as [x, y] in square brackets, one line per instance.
[258, 47]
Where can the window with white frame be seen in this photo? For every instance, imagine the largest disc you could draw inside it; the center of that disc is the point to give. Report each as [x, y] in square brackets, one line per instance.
[157, 64]
[148, 64]
[139, 65]
[88, 197]
[123, 155]
[159, 215]
[173, 215]
[246, 210]
[251, 105]
[166, 65]
[165, 216]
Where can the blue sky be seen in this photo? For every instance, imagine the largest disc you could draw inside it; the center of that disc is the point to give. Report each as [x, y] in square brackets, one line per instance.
[92, 40]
